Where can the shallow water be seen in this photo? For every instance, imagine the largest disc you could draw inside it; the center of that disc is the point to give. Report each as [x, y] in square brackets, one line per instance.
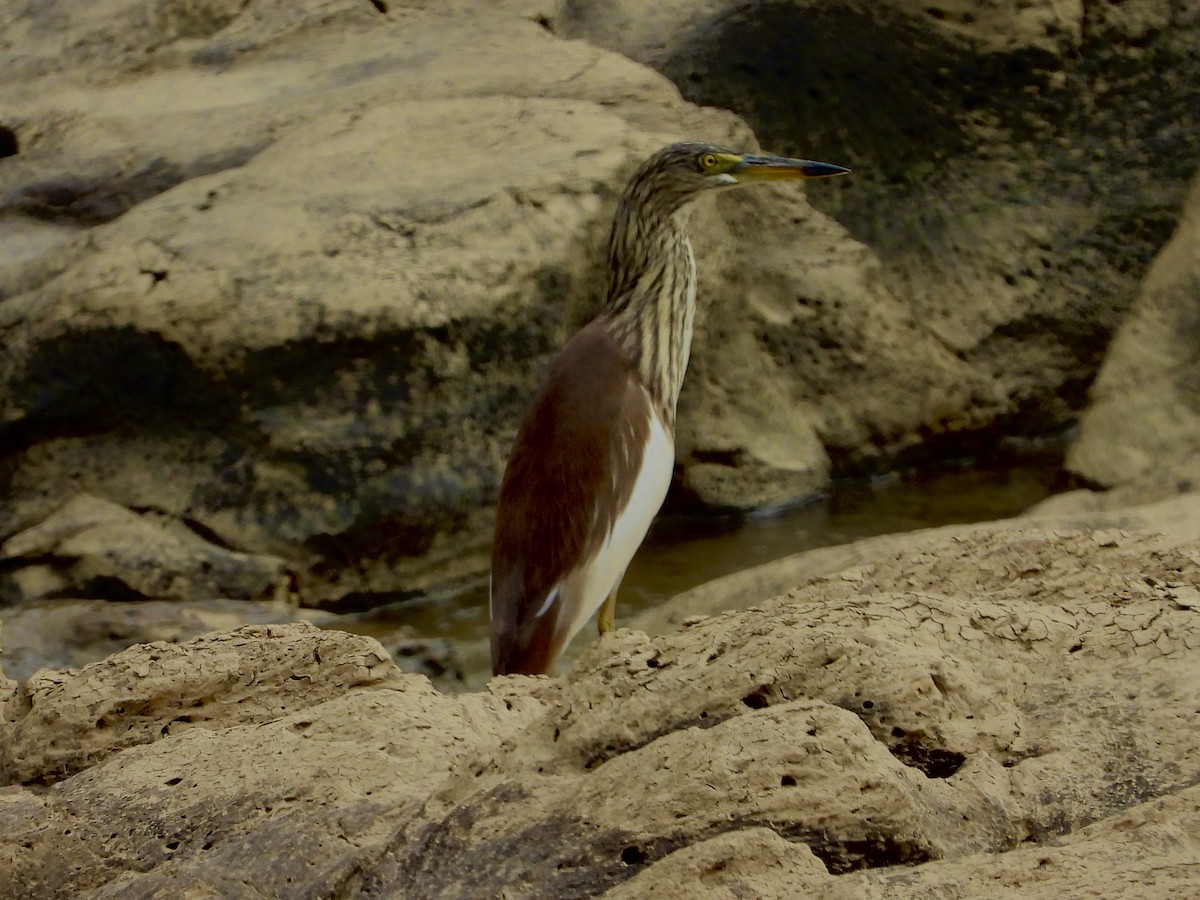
[682, 552]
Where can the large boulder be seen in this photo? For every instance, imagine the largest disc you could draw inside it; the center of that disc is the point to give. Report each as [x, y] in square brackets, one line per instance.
[286, 277]
[290, 277]
[1142, 430]
[1017, 166]
[1011, 705]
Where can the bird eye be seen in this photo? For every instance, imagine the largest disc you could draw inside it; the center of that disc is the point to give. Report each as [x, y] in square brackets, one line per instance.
[708, 161]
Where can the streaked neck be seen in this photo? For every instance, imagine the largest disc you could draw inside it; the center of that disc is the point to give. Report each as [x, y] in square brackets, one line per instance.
[652, 298]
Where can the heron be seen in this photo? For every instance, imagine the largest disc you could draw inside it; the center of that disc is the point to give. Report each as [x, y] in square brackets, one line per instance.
[593, 457]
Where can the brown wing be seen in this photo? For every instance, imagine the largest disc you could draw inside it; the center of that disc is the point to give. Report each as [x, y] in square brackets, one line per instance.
[558, 499]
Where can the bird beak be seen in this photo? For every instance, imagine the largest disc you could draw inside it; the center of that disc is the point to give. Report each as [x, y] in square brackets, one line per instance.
[776, 168]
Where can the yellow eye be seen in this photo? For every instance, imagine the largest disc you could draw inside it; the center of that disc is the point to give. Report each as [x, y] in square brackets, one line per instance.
[708, 161]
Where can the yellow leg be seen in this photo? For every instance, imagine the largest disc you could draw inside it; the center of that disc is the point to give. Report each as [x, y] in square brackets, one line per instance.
[608, 612]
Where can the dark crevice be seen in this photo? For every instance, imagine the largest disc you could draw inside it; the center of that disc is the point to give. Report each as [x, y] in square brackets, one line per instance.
[96, 198]
[568, 857]
[849, 855]
[951, 448]
[9, 145]
[108, 384]
[759, 698]
[13, 563]
[703, 719]
[198, 528]
[730, 458]
[82, 383]
[633, 856]
[935, 762]
[103, 587]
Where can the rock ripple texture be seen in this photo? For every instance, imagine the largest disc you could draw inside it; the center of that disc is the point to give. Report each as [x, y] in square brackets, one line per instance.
[1012, 707]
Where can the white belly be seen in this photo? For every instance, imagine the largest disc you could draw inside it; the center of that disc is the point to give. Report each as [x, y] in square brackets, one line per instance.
[594, 582]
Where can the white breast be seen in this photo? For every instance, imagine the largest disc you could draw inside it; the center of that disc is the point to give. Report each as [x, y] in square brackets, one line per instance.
[596, 580]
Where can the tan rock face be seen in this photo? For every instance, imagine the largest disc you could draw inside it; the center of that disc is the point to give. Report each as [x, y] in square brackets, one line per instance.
[1012, 707]
[95, 545]
[1009, 173]
[73, 633]
[301, 284]
[75, 718]
[1143, 426]
[289, 276]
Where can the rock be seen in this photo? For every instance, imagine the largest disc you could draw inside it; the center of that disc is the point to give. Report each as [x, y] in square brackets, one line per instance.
[94, 548]
[9, 703]
[749, 862]
[976, 134]
[1009, 707]
[75, 718]
[73, 633]
[1143, 425]
[1146, 852]
[311, 342]
[289, 276]
[300, 801]
[1178, 516]
[1133, 506]
[438, 659]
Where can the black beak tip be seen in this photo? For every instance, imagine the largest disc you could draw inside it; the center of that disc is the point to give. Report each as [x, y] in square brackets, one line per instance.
[823, 170]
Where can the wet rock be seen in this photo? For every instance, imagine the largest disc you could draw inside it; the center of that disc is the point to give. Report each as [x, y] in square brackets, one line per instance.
[436, 659]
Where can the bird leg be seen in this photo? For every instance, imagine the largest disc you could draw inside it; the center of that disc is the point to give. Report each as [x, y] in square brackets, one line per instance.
[607, 620]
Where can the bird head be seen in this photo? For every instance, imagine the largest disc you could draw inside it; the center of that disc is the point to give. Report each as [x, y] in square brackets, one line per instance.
[679, 173]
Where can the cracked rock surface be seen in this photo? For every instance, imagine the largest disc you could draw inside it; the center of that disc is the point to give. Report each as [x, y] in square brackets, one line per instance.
[1008, 706]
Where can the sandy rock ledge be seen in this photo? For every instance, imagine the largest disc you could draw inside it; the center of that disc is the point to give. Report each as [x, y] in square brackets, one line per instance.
[1003, 710]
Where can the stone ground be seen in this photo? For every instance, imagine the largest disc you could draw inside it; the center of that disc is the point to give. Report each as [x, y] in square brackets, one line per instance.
[1007, 708]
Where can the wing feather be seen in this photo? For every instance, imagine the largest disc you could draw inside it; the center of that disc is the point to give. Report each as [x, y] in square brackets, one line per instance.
[571, 472]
